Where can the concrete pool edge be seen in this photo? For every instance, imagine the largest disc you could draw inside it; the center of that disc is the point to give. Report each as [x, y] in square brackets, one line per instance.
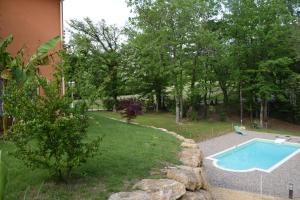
[215, 161]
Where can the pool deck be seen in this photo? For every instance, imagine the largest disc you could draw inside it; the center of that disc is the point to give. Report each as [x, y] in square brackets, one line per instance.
[275, 183]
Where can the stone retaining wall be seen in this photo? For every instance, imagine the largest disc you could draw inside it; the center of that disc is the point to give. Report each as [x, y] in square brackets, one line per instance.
[183, 182]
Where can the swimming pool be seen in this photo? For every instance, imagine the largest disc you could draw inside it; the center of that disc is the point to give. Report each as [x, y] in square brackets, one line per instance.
[256, 154]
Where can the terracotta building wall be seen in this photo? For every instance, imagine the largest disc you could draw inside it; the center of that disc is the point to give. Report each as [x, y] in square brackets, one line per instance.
[31, 22]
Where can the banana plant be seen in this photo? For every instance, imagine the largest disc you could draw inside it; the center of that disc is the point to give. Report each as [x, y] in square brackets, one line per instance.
[3, 178]
[15, 68]
[5, 70]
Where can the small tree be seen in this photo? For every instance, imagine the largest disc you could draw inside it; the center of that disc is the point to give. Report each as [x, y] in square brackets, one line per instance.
[47, 131]
[18, 68]
[130, 109]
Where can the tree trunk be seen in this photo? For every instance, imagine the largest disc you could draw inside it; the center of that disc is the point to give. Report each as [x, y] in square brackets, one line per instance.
[181, 86]
[241, 104]
[114, 84]
[115, 103]
[205, 105]
[193, 80]
[225, 96]
[266, 113]
[158, 100]
[181, 108]
[163, 106]
[261, 115]
[177, 100]
[251, 113]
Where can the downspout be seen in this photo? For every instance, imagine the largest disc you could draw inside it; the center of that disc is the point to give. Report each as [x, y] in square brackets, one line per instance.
[62, 42]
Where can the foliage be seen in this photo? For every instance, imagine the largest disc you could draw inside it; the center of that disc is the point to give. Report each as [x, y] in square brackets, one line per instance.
[3, 177]
[130, 108]
[94, 52]
[108, 103]
[104, 173]
[222, 116]
[181, 55]
[192, 115]
[18, 68]
[172, 28]
[263, 51]
[47, 131]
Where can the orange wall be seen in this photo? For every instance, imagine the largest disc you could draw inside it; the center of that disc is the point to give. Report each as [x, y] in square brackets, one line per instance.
[31, 22]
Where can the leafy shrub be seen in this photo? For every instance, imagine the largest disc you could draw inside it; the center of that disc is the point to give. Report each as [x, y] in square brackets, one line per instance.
[255, 124]
[192, 115]
[47, 131]
[170, 104]
[148, 103]
[222, 116]
[19, 68]
[3, 178]
[130, 108]
[108, 103]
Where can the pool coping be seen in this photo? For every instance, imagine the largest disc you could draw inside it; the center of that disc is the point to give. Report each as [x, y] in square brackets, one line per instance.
[211, 157]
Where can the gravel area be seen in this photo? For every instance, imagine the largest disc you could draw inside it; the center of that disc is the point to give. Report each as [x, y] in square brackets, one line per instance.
[275, 183]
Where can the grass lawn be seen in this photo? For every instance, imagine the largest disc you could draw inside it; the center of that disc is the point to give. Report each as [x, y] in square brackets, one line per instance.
[203, 130]
[198, 131]
[128, 153]
[280, 131]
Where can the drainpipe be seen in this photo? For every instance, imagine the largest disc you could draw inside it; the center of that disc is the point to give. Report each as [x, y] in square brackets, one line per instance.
[62, 42]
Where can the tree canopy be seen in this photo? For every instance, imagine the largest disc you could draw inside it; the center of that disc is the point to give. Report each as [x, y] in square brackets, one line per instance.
[190, 57]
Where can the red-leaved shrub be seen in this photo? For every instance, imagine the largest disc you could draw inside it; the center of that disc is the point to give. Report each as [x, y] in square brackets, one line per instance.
[130, 108]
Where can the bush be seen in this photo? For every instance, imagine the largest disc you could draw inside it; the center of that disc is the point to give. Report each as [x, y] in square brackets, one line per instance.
[47, 131]
[148, 103]
[108, 104]
[130, 108]
[222, 116]
[255, 124]
[170, 104]
[192, 115]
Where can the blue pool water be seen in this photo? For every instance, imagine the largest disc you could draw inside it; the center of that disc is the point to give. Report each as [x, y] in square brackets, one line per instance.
[257, 154]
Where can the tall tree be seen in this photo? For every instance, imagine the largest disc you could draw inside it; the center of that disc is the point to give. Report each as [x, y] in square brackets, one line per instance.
[174, 22]
[104, 42]
[259, 33]
[145, 65]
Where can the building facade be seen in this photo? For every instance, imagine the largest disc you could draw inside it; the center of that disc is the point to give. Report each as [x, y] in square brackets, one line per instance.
[31, 22]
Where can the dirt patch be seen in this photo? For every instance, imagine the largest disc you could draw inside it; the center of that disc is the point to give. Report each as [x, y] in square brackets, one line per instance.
[282, 125]
[79, 189]
[227, 194]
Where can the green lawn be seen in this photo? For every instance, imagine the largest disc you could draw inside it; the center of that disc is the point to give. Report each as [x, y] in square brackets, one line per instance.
[202, 130]
[278, 131]
[198, 131]
[128, 153]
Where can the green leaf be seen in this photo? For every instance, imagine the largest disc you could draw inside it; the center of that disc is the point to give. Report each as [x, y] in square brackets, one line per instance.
[6, 74]
[41, 53]
[19, 75]
[5, 43]
[44, 48]
[4, 55]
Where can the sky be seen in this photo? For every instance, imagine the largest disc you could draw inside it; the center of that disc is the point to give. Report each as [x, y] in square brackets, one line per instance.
[113, 11]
